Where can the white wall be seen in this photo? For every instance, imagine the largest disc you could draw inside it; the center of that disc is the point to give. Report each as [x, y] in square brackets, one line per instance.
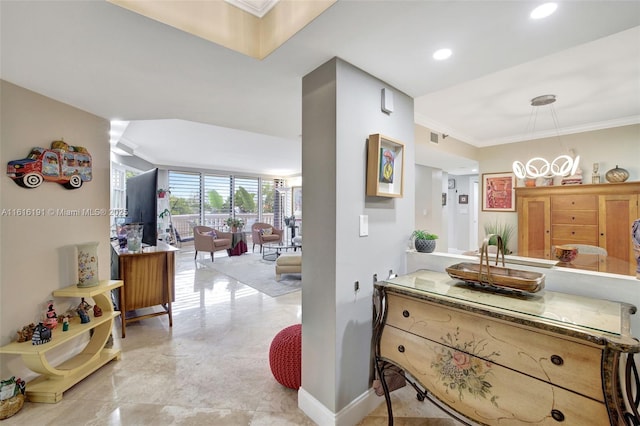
[340, 109]
[35, 251]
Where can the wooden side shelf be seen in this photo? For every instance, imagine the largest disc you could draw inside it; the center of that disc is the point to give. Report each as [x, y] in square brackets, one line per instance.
[55, 380]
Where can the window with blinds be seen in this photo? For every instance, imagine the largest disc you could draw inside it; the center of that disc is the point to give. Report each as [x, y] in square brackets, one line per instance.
[217, 200]
[210, 199]
[184, 202]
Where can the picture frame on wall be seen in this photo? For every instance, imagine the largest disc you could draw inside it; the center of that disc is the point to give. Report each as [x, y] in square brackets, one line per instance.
[385, 166]
[463, 199]
[498, 192]
[444, 198]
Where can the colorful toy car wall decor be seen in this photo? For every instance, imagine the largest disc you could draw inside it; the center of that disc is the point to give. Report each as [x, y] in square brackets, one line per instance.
[67, 165]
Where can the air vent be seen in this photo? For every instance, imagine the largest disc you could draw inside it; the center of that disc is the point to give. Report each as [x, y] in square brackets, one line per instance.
[434, 137]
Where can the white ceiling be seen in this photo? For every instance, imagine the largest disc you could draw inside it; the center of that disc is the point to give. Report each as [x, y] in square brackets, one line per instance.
[184, 95]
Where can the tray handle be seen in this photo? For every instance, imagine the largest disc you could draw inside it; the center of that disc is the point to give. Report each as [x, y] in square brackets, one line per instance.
[484, 258]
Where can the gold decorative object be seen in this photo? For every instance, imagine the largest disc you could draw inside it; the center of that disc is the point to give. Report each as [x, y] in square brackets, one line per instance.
[617, 175]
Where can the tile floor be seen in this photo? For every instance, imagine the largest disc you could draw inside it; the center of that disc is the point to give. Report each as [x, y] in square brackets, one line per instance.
[210, 368]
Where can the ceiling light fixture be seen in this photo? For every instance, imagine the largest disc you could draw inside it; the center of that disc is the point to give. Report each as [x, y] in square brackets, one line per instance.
[442, 54]
[543, 10]
[563, 165]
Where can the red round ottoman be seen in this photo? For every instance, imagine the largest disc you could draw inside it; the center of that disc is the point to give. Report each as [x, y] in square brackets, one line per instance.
[285, 356]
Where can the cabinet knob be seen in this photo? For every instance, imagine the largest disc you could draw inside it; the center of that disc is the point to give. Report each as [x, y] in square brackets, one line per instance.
[602, 234]
[557, 360]
[573, 232]
[401, 348]
[573, 218]
[405, 313]
[557, 415]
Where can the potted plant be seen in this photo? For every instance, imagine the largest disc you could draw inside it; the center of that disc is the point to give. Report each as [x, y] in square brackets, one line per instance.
[504, 230]
[162, 192]
[234, 223]
[424, 241]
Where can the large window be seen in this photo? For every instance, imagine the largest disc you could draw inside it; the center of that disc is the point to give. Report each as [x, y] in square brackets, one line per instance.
[210, 199]
[185, 202]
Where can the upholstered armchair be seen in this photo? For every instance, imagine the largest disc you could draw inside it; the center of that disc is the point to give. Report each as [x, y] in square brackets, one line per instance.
[263, 233]
[210, 240]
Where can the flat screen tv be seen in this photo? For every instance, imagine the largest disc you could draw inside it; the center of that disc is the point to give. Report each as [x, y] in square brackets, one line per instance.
[142, 204]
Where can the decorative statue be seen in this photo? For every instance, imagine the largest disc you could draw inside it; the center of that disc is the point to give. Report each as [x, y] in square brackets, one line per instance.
[41, 335]
[83, 311]
[97, 312]
[51, 320]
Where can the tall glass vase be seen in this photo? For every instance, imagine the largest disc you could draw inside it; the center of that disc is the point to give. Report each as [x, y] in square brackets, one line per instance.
[88, 264]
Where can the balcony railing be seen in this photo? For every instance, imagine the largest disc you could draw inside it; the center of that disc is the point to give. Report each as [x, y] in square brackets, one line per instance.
[184, 223]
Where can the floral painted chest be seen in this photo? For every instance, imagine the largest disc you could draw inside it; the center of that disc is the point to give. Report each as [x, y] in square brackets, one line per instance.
[495, 359]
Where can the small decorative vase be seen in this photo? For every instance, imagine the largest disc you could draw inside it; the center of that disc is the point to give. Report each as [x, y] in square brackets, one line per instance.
[617, 175]
[88, 264]
[425, 246]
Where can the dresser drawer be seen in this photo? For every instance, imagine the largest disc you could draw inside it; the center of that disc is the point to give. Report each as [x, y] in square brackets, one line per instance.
[588, 234]
[574, 202]
[565, 363]
[573, 217]
[482, 389]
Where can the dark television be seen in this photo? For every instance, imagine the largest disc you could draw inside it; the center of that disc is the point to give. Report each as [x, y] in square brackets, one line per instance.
[142, 204]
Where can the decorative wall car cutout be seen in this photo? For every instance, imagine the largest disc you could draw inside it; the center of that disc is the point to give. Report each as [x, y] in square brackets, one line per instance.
[67, 165]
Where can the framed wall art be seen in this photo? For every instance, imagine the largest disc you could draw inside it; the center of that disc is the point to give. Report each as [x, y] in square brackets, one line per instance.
[385, 166]
[444, 198]
[498, 194]
[463, 199]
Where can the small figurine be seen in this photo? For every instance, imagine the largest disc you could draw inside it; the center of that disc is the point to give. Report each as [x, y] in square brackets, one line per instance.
[97, 312]
[83, 309]
[51, 320]
[41, 335]
[65, 324]
[26, 333]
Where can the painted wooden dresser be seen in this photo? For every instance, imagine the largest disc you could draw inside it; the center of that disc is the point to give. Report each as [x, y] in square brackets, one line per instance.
[508, 359]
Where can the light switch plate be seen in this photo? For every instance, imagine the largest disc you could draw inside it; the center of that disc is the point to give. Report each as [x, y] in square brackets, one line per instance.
[364, 225]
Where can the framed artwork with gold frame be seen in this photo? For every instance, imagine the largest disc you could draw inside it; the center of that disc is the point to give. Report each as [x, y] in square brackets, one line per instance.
[385, 166]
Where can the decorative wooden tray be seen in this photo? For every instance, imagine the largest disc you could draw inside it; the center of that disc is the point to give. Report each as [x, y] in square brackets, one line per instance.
[495, 276]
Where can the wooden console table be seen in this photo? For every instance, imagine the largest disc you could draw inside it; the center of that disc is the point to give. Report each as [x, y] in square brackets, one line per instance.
[149, 279]
[53, 381]
[497, 359]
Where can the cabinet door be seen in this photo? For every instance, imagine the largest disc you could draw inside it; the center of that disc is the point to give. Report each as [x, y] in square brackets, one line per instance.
[617, 213]
[534, 223]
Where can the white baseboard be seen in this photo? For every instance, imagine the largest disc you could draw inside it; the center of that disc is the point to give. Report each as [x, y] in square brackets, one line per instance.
[350, 415]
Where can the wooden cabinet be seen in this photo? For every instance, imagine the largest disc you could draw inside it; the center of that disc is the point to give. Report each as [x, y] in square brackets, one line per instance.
[149, 281]
[598, 215]
[55, 380]
[497, 359]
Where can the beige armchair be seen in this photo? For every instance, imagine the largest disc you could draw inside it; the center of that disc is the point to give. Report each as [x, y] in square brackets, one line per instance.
[203, 240]
[258, 235]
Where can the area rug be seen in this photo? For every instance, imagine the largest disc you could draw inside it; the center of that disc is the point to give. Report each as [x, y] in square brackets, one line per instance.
[252, 270]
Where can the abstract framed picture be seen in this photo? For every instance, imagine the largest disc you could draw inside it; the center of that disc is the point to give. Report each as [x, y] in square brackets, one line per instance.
[498, 194]
[385, 166]
[463, 199]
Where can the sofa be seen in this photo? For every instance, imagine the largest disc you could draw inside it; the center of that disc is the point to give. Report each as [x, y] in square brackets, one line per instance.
[288, 263]
[210, 240]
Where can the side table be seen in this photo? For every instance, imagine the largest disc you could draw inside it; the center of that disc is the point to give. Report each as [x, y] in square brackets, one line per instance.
[238, 244]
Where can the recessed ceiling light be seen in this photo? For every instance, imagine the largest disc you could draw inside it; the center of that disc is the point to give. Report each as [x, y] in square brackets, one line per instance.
[442, 54]
[543, 10]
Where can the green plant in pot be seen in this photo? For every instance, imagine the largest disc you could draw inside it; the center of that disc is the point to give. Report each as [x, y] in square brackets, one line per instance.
[424, 241]
[505, 230]
[234, 223]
